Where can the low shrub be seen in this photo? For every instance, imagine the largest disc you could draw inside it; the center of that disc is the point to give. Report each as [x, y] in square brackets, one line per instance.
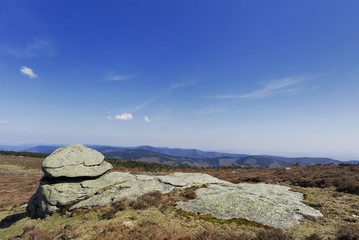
[321, 176]
[348, 186]
[117, 206]
[348, 232]
[31, 232]
[147, 200]
[273, 234]
[69, 232]
[189, 193]
[215, 234]
[313, 236]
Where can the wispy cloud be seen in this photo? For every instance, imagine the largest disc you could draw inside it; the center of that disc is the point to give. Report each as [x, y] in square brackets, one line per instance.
[142, 105]
[276, 87]
[182, 84]
[139, 107]
[38, 47]
[124, 116]
[210, 111]
[4, 122]
[119, 77]
[28, 72]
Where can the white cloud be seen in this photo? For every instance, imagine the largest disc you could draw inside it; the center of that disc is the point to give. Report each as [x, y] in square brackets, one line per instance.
[147, 119]
[124, 116]
[3, 122]
[109, 118]
[28, 72]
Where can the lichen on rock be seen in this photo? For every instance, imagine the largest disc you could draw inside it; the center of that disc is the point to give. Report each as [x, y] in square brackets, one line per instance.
[54, 194]
[75, 161]
[186, 180]
[269, 204]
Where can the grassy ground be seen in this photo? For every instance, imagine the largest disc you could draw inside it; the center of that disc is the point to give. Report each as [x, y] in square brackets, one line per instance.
[154, 216]
[21, 164]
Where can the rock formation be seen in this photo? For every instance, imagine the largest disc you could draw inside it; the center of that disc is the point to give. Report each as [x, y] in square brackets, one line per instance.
[75, 161]
[76, 177]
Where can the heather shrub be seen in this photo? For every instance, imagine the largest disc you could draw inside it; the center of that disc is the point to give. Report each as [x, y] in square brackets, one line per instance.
[119, 205]
[69, 232]
[273, 234]
[189, 193]
[313, 236]
[147, 200]
[348, 186]
[321, 176]
[215, 234]
[31, 232]
[348, 232]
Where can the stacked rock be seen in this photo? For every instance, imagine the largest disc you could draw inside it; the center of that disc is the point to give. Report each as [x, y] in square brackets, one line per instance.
[65, 170]
[75, 161]
[75, 177]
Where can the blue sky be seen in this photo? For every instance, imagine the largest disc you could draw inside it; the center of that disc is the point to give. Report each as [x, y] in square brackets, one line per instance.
[257, 77]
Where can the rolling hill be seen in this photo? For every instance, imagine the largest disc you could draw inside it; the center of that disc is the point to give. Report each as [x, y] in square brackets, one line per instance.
[246, 161]
[192, 157]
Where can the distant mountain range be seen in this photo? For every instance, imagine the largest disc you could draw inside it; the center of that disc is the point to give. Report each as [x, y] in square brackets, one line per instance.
[186, 157]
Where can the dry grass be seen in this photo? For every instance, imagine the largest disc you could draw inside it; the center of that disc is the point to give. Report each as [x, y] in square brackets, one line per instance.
[21, 164]
[16, 189]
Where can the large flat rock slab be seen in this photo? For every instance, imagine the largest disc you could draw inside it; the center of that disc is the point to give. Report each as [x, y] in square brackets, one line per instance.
[269, 204]
[75, 161]
[141, 184]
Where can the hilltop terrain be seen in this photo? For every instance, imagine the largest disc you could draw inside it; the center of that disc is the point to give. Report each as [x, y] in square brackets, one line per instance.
[333, 190]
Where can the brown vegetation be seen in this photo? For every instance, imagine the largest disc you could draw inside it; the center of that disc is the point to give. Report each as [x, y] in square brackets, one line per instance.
[16, 189]
[344, 178]
[273, 234]
[147, 200]
[31, 232]
[348, 232]
[117, 206]
[20, 163]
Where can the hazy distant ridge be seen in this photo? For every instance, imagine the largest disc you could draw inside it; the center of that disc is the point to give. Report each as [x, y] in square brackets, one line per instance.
[187, 157]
